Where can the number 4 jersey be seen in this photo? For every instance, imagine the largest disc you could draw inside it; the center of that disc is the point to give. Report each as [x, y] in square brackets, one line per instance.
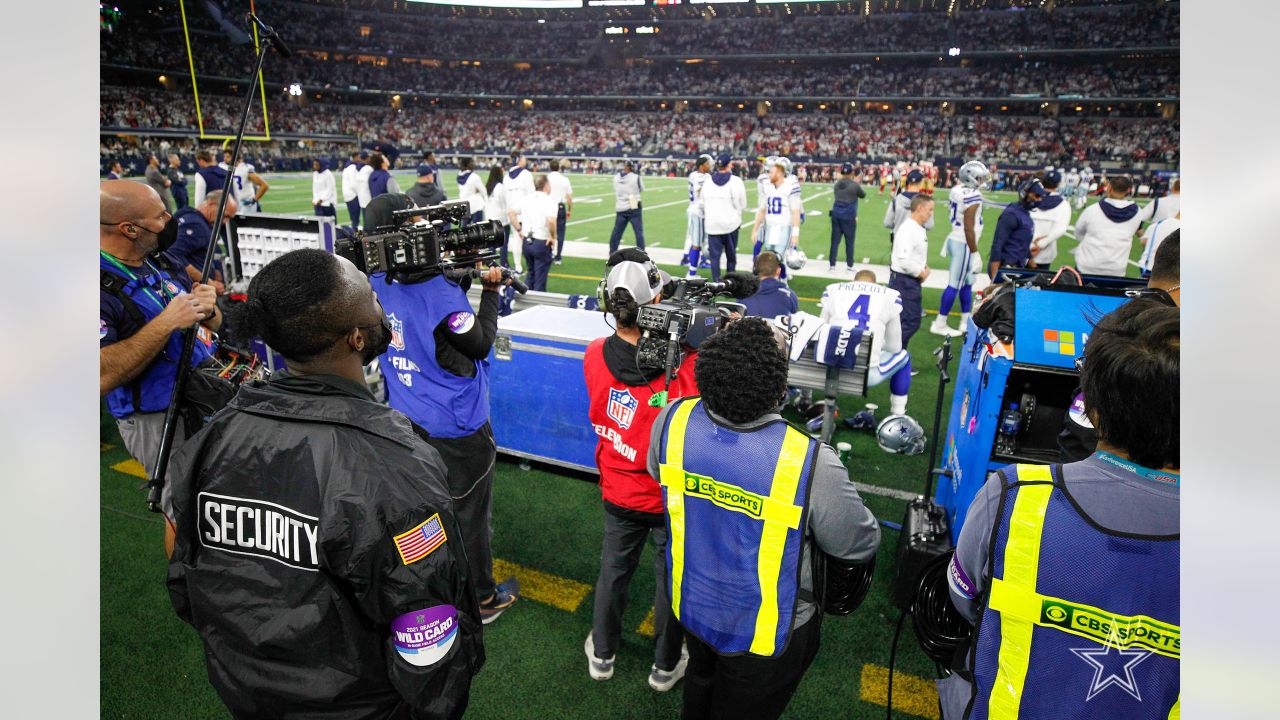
[869, 307]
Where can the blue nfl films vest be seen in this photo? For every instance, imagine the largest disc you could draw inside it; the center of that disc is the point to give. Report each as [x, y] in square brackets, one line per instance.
[736, 506]
[444, 404]
[150, 391]
[1079, 622]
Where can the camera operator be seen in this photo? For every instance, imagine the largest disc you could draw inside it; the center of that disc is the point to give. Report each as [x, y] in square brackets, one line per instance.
[437, 373]
[144, 303]
[620, 392]
[746, 494]
[313, 534]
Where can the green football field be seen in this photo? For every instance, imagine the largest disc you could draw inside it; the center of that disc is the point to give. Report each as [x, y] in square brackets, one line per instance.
[665, 200]
[547, 532]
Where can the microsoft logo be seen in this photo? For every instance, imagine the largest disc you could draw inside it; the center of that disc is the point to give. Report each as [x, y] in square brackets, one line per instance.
[1060, 342]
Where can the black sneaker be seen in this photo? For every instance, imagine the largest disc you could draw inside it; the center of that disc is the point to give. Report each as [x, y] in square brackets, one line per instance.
[493, 606]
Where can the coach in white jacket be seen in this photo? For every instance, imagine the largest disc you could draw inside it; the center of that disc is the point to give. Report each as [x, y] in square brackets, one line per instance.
[1052, 217]
[324, 194]
[723, 198]
[1105, 231]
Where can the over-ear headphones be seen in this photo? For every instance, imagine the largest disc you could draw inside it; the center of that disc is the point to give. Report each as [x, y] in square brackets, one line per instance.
[602, 295]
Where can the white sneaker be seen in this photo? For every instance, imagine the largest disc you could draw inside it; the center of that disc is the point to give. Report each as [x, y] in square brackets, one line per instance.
[940, 327]
[602, 669]
[664, 680]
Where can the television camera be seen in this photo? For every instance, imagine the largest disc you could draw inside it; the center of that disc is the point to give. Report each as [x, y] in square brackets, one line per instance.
[429, 239]
[691, 314]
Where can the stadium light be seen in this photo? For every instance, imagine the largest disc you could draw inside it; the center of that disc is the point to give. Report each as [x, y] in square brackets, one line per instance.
[295, 89]
[163, 79]
[954, 52]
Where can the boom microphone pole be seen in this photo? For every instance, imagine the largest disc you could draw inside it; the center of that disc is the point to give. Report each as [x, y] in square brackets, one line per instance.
[156, 484]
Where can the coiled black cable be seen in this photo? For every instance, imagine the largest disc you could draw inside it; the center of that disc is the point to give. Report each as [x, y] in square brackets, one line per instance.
[940, 628]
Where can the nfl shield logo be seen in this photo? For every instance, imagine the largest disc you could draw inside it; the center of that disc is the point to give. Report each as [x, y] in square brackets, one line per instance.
[622, 407]
[397, 332]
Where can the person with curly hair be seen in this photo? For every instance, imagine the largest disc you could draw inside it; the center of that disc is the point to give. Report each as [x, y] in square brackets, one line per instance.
[746, 494]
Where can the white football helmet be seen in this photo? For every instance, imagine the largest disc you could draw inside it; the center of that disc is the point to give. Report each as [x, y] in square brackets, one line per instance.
[973, 174]
[900, 435]
[796, 258]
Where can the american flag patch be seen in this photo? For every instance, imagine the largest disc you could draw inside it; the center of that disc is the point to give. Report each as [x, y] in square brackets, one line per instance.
[421, 541]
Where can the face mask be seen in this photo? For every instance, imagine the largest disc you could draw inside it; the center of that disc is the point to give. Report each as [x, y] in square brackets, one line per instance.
[377, 342]
[164, 239]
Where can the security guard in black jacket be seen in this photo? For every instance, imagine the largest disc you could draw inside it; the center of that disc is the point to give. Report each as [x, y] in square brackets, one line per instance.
[314, 545]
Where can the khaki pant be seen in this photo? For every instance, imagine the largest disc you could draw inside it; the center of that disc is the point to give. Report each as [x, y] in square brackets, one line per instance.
[141, 434]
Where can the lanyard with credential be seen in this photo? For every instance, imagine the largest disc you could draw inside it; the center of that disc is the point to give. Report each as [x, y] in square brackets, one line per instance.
[142, 284]
[1163, 477]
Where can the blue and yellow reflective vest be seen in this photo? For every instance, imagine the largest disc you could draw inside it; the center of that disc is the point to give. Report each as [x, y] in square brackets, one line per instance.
[736, 505]
[1079, 621]
[144, 298]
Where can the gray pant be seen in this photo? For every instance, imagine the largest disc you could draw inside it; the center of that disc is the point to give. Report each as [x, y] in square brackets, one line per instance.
[623, 544]
[469, 460]
[141, 435]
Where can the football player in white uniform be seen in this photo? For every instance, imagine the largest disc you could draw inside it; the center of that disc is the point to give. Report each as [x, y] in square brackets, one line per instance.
[695, 236]
[962, 246]
[779, 213]
[762, 184]
[876, 309]
[1086, 184]
[249, 186]
[1070, 184]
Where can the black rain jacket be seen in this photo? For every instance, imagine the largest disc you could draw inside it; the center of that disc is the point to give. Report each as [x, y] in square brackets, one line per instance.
[286, 507]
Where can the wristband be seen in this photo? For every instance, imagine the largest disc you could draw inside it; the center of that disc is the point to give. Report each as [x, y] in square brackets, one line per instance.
[795, 232]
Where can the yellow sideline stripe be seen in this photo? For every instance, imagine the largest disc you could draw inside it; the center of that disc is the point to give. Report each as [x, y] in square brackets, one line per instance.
[911, 695]
[545, 588]
[646, 627]
[131, 467]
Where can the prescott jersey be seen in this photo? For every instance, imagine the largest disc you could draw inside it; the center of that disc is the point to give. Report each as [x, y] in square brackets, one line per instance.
[869, 307]
[779, 200]
[696, 180]
[961, 199]
[245, 190]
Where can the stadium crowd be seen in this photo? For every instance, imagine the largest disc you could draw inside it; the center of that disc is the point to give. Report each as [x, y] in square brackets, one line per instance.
[396, 34]
[921, 134]
[1039, 78]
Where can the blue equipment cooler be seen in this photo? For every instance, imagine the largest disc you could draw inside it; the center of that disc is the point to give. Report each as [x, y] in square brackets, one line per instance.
[538, 396]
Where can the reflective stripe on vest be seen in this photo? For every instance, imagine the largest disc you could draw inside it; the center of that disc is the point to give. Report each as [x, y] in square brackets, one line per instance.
[777, 512]
[1022, 608]
[1021, 565]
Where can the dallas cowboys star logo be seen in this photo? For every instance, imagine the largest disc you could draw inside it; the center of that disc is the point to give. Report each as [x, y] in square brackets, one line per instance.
[1103, 658]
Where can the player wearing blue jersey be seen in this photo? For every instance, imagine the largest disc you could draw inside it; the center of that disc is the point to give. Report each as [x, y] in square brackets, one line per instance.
[961, 246]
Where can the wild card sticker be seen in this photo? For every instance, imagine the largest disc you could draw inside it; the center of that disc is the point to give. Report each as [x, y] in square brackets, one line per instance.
[423, 637]
[461, 322]
[1077, 412]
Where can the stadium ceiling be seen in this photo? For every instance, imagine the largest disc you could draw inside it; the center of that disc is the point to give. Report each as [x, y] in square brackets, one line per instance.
[690, 8]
